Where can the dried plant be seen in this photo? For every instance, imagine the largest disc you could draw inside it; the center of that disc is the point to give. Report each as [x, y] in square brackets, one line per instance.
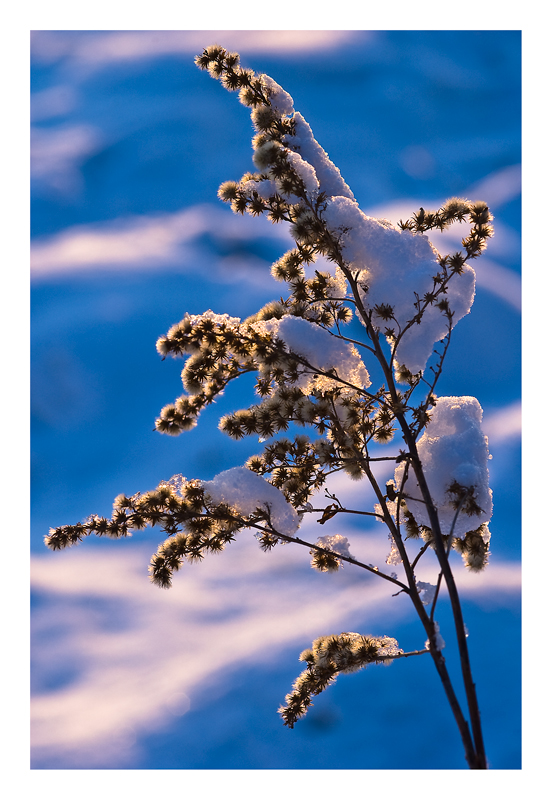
[313, 373]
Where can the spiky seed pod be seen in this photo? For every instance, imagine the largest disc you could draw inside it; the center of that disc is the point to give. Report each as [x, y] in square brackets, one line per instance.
[232, 59]
[480, 213]
[179, 340]
[304, 229]
[256, 206]
[172, 422]
[160, 574]
[325, 561]
[263, 117]
[353, 470]
[329, 656]
[474, 548]
[230, 80]
[228, 191]
[214, 51]
[384, 311]
[214, 545]
[268, 155]
[275, 309]
[247, 96]
[215, 69]
[464, 497]
[231, 426]
[122, 502]
[456, 208]
[239, 204]
[245, 75]
[256, 464]
[259, 139]
[202, 61]
[64, 536]
[258, 85]
[163, 346]
[247, 420]
[277, 209]
[288, 267]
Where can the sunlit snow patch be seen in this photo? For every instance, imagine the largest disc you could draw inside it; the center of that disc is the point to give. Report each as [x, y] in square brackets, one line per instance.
[454, 452]
[246, 491]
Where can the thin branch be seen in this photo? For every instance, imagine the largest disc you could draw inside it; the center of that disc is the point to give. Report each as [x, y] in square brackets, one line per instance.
[349, 560]
[420, 554]
[351, 341]
[342, 510]
[449, 544]
[474, 748]
[407, 655]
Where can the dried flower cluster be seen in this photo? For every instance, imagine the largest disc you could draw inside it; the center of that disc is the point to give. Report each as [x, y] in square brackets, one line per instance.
[329, 656]
[312, 372]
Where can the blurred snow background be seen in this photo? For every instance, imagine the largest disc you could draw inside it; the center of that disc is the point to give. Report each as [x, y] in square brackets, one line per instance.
[129, 145]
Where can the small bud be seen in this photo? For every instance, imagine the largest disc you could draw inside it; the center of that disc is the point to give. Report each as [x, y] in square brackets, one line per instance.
[228, 191]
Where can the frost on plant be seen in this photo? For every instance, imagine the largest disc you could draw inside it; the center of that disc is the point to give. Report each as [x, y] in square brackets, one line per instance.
[346, 272]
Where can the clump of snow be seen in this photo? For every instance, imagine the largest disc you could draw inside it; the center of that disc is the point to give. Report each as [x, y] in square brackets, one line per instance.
[485, 532]
[280, 100]
[394, 556]
[246, 492]
[265, 188]
[176, 483]
[439, 641]
[306, 172]
[303, 142]
[317, 346]
[426, 592]
[395, 267]
[218, 319]
[337, 544]
[453, 450]
[387, 647]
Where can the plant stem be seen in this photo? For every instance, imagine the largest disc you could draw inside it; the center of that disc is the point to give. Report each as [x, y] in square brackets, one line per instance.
[479, 760]
[430, 630]
[474, 748]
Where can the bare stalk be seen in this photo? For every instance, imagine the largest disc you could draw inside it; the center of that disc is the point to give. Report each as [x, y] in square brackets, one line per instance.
[479, 760]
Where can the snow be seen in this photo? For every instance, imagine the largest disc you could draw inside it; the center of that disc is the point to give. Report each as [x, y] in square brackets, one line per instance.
[246, 492]
[388, 647]
[426, 592]
[394, 267]
[394, 558]
[265, 188]
[322, 350]
[219, 319]
[280, 100]
[306, 172]
[303, 142]
[337, 544]
[452, 449]
[439, 641]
